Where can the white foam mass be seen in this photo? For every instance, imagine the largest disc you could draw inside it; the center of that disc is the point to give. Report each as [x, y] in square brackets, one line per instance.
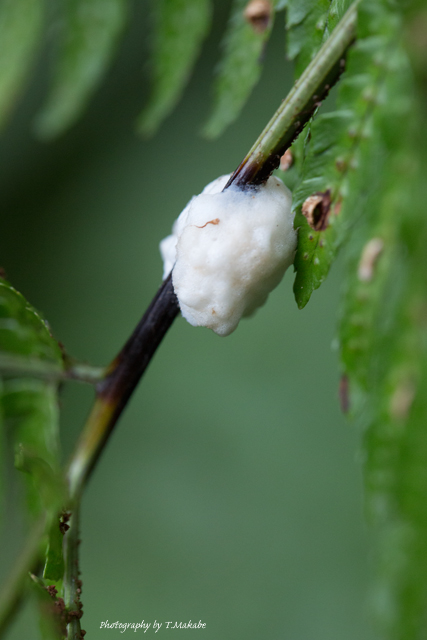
[228, 250]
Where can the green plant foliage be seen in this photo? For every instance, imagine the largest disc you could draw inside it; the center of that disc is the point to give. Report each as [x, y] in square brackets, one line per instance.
[22, 330]
[29, 412]
[239, 69]
[369, 157]
[179, 29]
[28, 405]
[54, 566]
[31, 415]
[51, 622]
[308, 24]
[383, 333]
[305, 24]
[88, 39]
[19, 42]
[337, 144]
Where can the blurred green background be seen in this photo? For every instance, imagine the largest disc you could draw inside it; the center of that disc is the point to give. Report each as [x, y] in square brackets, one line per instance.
[231, 490]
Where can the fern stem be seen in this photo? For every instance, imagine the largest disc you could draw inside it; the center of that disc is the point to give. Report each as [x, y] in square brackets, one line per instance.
[116, 384]
[126, 370]
[115, 390]
[72, 583]
[299, 106]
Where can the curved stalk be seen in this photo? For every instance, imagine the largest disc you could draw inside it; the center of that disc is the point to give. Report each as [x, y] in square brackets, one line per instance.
[115, 390]
[126, 370]
[117, 383]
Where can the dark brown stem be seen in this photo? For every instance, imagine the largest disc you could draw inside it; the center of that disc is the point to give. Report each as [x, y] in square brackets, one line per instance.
[127, 368]
[124, 373]
[122, 377]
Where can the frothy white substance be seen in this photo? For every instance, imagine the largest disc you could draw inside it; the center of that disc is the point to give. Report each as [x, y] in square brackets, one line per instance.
[230, 249]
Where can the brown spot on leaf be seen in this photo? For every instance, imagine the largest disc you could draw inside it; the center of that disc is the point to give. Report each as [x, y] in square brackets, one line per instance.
[3, 273]
[344, 394]
[402, 399]
[216, 221]
[316, 209]
[341, 164]
[286, 160]
[370, 254]
[258, 14]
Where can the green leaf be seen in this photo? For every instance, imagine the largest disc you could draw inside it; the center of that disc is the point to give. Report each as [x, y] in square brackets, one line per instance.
[54, 567]
[340, 147]
[22, 329]
[52, 616]
[29, 412]
[88, 40]
[383, 330]
[239, 69]
[308, 25]
[21, 26]
[28, 405]
[31, 416]
[179, 29]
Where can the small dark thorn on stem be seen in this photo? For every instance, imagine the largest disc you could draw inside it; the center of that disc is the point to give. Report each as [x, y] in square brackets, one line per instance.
[74, 614]
[63, 522]
[60, 605]
[52, 591]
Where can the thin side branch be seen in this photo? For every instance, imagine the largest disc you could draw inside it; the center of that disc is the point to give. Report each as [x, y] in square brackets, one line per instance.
[124, 373]
[12, 365]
